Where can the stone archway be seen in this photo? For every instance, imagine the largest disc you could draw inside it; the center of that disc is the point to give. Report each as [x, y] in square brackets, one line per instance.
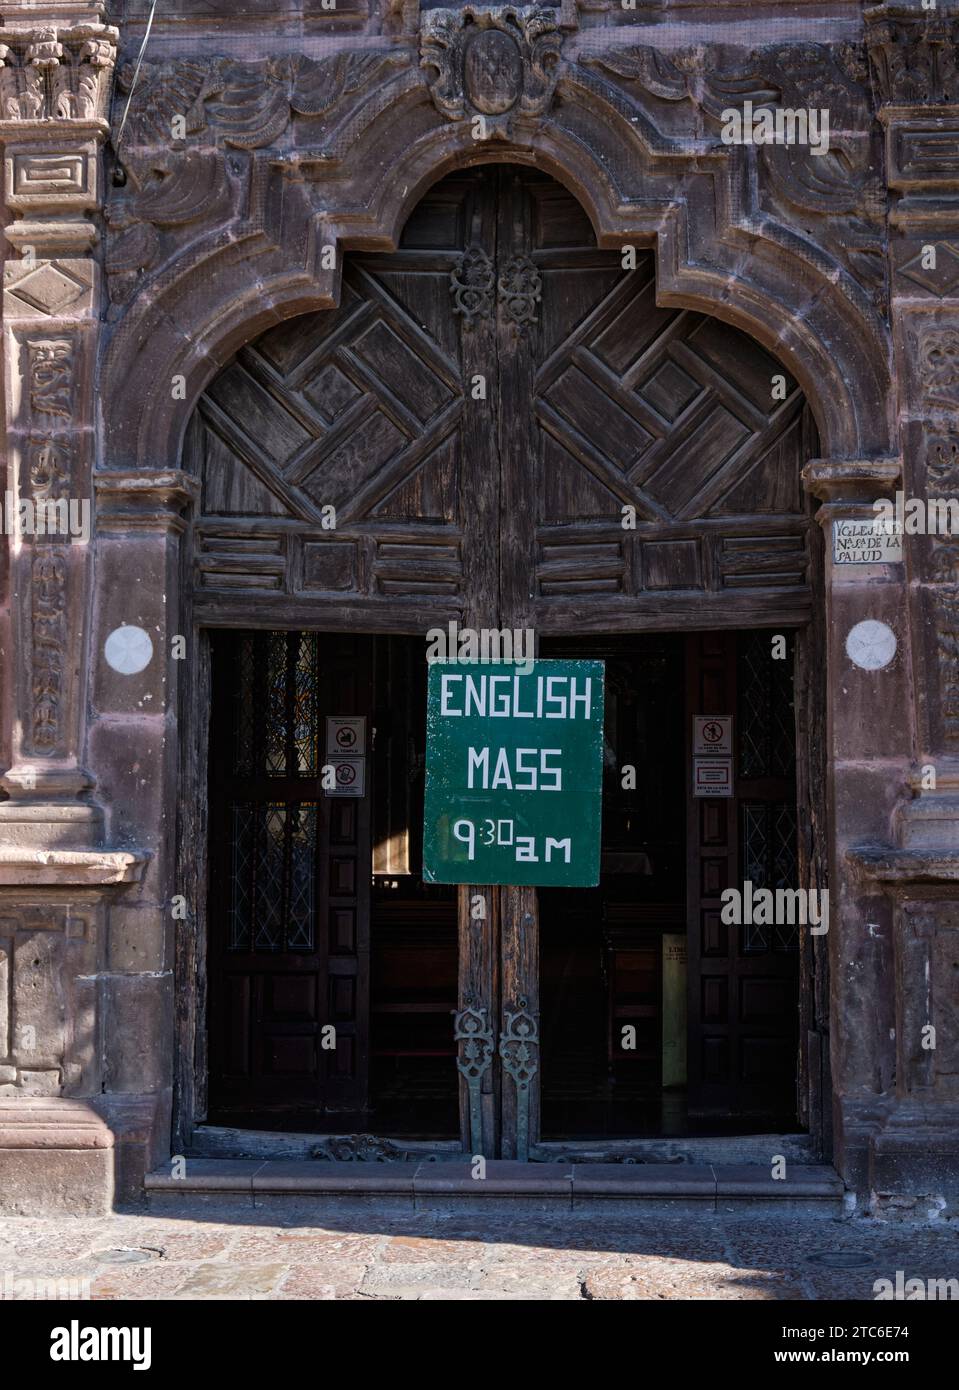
[248, 229]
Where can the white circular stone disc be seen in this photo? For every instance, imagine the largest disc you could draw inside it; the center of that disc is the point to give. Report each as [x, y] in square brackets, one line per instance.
[128, 650]
[871, 645]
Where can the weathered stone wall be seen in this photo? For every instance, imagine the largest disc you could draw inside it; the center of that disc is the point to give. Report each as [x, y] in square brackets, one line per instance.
[166, 236]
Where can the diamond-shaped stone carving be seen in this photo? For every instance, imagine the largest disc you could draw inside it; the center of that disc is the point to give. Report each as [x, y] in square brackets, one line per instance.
[49, 288]
[944, 279]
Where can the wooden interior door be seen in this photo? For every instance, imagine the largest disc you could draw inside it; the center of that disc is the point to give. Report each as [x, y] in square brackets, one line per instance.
[289, 880]
[743, 979]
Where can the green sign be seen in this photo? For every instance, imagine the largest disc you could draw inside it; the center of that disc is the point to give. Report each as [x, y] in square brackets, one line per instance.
[514, 773]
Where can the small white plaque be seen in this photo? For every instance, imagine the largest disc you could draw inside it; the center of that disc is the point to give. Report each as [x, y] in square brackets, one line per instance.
[871, 645]
[712, 776]
[128, 650]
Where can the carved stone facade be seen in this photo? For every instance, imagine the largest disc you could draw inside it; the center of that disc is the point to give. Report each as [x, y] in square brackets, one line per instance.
[157, 223]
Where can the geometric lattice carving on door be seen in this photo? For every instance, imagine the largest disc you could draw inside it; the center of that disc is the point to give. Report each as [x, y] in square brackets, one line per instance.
[338, 409]
[767, 717]
[768, 838]
[274, 869]
[673, 413]
[667, 409]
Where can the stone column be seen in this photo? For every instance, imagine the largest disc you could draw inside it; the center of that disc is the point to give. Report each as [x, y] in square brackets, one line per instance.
[914, 55]
[55, 872]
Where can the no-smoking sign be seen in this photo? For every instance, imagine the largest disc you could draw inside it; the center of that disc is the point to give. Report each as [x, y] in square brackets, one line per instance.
[713, 733]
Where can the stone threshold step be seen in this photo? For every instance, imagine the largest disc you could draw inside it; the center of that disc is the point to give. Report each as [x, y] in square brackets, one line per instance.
[424, 1183]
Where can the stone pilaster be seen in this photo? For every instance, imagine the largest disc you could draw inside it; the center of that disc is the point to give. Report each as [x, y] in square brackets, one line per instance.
[56, 873]
[54, 92]
[134, 746]
[869, 739]
[914, 54]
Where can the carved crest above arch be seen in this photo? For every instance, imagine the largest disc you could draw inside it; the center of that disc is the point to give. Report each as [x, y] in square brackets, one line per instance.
[286, 162]
[491, 63]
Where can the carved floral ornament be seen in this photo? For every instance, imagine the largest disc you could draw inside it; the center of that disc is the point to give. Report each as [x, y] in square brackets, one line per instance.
[51, 74]
[493, 64]
[914, 54]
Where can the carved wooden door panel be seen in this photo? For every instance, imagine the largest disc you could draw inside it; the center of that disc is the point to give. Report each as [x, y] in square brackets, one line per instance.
[347, 457]
[289, 880]
[651, 455]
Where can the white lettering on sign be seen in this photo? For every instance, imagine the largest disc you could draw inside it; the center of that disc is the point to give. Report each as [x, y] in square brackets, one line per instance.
[503, 697]
[478, 762]
[501, 832]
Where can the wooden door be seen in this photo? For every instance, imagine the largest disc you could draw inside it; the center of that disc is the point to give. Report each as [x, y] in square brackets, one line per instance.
[743, 979]
[510, 432]
[289, 880]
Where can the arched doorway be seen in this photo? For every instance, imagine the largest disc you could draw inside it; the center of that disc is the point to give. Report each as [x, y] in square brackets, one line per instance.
[498, 426]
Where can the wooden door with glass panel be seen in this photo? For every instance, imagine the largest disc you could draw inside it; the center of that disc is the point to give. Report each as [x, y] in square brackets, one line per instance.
[289, 879]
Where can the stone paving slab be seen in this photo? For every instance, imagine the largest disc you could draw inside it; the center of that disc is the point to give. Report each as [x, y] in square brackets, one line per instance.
[202, 1251]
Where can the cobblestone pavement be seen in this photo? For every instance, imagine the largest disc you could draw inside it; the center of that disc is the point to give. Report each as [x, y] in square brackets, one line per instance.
[215, 1252]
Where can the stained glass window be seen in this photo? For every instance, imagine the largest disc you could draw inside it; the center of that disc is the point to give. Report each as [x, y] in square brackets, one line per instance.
[277, 725]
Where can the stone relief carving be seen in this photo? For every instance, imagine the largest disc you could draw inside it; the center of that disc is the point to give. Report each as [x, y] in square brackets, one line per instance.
[914, 54]
[939, 368]
[942, 480]
[497, 63]
[492, 63]
[942, 465]
[56, 74]
[163, 193]
[840, 192]
[180, 106]
[247, 105]
[942, 279]
[52, 376]
[49, 576]
[652, 70]
[50, 474]
[944, 567]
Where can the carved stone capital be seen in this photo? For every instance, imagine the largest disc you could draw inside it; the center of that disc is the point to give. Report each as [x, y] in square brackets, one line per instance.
[914, 54]
[493, 63]
[851, 480]
[144, 501]
[52, 77]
